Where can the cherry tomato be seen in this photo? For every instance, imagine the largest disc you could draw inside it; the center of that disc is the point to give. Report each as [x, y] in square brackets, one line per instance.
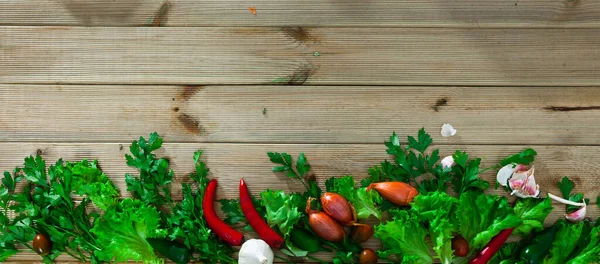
[42, 245]
[368, 256]
[460, 246]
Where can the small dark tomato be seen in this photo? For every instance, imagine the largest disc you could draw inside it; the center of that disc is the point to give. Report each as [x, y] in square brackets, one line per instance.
[368, 256]
[42, 245]
[460, 246]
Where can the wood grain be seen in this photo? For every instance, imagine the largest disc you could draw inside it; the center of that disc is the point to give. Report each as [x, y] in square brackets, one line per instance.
[349, 13]
[357, 56]
[294, 114]
[229, 162]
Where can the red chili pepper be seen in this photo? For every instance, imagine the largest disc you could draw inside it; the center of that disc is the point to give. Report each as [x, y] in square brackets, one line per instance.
[217, 225]
[255, 220]
[492, 247]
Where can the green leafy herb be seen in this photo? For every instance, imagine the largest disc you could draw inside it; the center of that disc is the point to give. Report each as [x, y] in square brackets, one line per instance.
[533, 212]
[564, 242]
[404, 238]
[123, 230]
[437, 211]
[45, 206]
[154, 183]
[465, 175]
[508, 254]
[524, 157]
[233, 211]
[363, 201]
[186, 222]
[481, 217]
[282, 210]
[410, 163]
[302, 168]
[566, 186]
[591, 253]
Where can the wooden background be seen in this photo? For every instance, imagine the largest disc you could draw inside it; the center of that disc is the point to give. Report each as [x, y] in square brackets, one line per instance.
[331, 78]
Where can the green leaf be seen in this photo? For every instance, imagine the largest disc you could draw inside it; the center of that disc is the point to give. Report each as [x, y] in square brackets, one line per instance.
[481, 217]
[282, 211]
[122, 231]
[436, 210]
[525, 157]
[153, 183]
[404, 238]
[564, 242]
[533, 212]
[566, 186]
[363, 201]
[422, 144]
[302, 165]
[591, 253]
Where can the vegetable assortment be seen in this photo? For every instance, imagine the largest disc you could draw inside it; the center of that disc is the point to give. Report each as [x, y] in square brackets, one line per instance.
[434, 205]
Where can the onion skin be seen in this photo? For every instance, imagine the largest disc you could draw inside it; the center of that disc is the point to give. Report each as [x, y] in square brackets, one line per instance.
[361, 233]
[323, 225]
[399, 193]
[368, 256]
[338, 208]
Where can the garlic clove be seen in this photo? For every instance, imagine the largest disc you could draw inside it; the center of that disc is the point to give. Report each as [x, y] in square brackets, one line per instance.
[505, 173]
[447, 162]
[448, 130]
[577, 215]
[523, 184]
[564, 201]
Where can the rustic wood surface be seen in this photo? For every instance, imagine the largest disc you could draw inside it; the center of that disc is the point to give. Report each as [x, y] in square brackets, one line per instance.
[299, 55]
[348, 13]
[81, 79]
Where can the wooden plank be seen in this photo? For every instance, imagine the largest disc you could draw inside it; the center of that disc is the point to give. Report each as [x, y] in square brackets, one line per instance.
[229, 162]
[299, 114]
[350, 13]
[422, 56]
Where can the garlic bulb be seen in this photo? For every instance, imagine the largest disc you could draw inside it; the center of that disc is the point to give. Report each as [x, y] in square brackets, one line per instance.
[448, 130]
[255, 251]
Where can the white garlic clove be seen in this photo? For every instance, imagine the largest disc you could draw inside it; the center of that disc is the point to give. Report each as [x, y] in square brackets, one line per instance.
[448, 130]
[505, 173]
[577, 215]
[447, 162]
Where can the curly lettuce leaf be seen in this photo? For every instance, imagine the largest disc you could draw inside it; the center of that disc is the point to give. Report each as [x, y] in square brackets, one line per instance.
[89, 180]
[404, 237]
[533, 212]
[437, 210]
[564, 242]
[363, 201]
[123, 229]
[591, 253]
[283, 210]
[481, 217]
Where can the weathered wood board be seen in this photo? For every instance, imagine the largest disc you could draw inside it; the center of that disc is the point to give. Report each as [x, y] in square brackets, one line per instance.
[83, 78]
[297, 55]
[299, 114]
[348, 13]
